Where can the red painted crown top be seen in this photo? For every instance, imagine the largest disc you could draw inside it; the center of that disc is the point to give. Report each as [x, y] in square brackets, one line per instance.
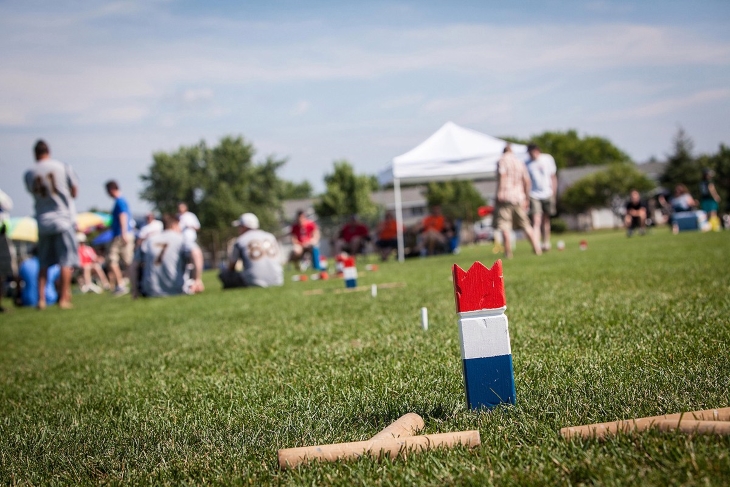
[479, 287]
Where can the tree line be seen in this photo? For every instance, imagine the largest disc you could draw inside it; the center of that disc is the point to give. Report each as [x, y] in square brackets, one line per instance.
[221, 182]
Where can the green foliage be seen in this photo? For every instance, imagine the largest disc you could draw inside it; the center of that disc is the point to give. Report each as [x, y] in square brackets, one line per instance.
[682, 167]
[558, 225]
[218, 184]
[458, 199]
[570, 150]
[720, 163]
[347, 193]
[203, 390]
[296, 191]
[600, 188]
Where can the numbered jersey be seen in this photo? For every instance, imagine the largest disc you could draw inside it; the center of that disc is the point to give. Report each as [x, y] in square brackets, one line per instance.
[164, 258]
[50, 182]
[261, 258]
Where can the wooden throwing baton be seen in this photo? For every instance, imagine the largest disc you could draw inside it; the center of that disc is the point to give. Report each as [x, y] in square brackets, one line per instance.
[600, 430]
[390, 447]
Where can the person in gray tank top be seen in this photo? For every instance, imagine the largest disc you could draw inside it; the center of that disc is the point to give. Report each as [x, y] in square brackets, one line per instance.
[54, 186]
[260, 254]
[160, 264]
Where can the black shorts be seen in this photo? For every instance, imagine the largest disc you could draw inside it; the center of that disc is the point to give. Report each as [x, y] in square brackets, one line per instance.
[387, 244]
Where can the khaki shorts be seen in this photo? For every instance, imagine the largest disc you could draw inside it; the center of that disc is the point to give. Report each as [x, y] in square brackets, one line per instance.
[538, 207]
[120, 251]
[511, 216]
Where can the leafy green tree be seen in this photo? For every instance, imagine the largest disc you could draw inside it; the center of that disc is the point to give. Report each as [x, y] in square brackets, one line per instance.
[458, 199]
[347, 193]
[217, 184]
[570, 150]
[720, 163]
[602, 188]
[296, 191]
[682, 167]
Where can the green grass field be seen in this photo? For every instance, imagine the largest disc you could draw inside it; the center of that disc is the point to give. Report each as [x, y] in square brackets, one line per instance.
[205, 389]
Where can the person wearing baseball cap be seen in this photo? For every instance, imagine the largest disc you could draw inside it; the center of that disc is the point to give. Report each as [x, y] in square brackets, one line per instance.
[260, 254]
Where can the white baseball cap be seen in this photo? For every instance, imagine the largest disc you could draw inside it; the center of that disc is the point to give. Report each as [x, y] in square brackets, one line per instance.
[81, 237]
[248, 220]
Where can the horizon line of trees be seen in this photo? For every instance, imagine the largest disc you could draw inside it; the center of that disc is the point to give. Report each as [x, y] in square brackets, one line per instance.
[221, 182]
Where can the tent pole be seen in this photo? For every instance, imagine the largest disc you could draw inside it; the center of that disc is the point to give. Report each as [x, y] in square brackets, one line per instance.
[399, 219]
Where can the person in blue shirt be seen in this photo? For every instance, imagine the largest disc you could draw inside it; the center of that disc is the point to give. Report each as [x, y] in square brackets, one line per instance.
[121, 249]
[28, 273]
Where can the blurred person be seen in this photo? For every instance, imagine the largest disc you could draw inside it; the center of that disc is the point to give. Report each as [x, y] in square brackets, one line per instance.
[635, 217]
[151, 227]
[305, 237]
[28, 278]
[681, 201]
[121, 248]
[709, 199]
[160, 264]
[434, 228]
[387, 233]
[189, 223]
[259, 252]
[8, 259]
[89, 262]
[544, 184]
[352, 237]
[513, 188]
[54, 185]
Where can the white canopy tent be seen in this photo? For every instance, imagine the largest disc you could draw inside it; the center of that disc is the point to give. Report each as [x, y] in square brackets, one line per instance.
[452, 152]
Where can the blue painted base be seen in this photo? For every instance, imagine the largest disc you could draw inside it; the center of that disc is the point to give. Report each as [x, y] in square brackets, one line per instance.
[489, 381]
[350, 282]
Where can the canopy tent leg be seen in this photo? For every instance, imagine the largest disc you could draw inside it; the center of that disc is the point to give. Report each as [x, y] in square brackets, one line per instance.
[399, 219]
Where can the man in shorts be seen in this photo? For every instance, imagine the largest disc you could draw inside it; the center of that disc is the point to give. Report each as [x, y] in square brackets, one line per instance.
[121, 248]
[260, 254]
[163, 259]
[513, 186]
[8, 262]
[54, 185]
[543, 175]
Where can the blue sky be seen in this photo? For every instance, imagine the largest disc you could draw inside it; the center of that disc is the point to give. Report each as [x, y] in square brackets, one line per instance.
[109, 83]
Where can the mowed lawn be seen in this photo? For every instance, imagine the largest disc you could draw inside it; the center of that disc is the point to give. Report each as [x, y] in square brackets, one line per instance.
[205, 389]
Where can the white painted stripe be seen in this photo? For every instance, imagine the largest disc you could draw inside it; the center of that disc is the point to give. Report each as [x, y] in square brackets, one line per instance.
[480, 313]
[349, 272]
[487, 336]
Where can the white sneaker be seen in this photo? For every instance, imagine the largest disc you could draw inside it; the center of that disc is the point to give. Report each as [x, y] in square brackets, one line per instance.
[121, 291]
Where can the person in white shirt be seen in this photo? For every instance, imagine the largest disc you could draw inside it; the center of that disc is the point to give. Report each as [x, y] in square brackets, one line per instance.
[160, 264]
[189, 223]
[260, 254]
[543, 176]
[54, 186]
[152, 227]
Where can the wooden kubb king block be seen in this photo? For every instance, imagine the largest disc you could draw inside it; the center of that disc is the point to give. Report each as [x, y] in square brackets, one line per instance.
[485, 348]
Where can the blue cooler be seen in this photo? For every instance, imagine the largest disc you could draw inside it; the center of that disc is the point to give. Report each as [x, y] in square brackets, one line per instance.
[686, 220]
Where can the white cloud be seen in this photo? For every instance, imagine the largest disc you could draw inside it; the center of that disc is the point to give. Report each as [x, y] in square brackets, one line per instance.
[301, 108]
[667, 105]
[197, 95]
[125, 114]
[79, 67]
